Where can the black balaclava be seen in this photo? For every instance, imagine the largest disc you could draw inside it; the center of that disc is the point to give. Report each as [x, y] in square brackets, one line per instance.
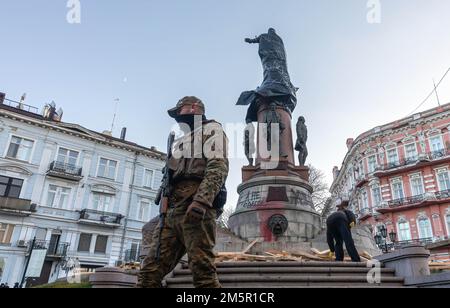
[189, 119]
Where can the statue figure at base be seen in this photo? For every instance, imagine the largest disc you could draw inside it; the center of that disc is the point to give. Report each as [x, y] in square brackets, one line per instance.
[272, 117]
[249, 143]
[302, 138]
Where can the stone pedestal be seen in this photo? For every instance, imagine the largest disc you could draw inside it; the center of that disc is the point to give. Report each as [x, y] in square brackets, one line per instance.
[275, 208]
[411, 261]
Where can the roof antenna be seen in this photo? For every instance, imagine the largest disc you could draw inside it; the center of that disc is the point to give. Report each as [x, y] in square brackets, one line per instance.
[117, 100]
[435, 90]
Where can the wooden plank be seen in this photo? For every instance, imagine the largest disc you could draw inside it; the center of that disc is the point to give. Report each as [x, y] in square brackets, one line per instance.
[306, 255]
[250, 246]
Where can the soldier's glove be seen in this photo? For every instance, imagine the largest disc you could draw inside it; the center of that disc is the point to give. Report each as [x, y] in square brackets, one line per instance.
[195, 213]
[352, 225]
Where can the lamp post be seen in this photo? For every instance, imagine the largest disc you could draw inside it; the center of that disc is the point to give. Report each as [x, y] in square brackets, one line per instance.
[381, 238]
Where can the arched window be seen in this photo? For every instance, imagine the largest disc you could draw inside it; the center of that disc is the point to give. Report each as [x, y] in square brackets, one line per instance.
[425, 230]
[404, 232]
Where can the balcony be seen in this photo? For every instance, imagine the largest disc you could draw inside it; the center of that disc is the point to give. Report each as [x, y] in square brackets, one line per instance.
[365, 213]
[54, 250]
[420, 159]
[407, 201]
[92, 217]
[65, 171]
[415, 201]
[20, 106]
[423, 242]
[442, 195]
[16, 206]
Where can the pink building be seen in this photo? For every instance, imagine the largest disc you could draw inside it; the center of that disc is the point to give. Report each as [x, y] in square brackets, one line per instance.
[397, 175]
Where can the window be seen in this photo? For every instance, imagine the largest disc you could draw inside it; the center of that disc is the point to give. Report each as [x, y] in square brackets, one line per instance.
[100, 244]
[417, 185]
[365, 200]
[425, 230]
[372, 163]
[10, 187]
[448, 225]
[67, 157]
[376, 195]
[444, 180]
[148, 178]
[404, 231]
[102, 202]
[20, 148]
[397, 188]
[411, 152]
[6, 231]
[107, 168]
[58, 197]
[41, 234]
[393, 157]
[436, 144]
[144, 210]
[85, 242]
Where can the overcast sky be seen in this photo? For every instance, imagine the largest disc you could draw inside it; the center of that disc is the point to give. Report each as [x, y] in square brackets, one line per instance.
[353, 75]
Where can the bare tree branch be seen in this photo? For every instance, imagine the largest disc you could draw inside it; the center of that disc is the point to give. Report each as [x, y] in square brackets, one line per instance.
[321, 194]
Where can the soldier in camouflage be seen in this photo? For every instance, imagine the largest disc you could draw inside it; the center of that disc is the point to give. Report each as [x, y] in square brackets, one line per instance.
[199, 168]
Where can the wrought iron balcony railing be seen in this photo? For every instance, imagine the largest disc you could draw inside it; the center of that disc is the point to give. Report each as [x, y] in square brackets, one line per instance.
[101, 218]
[64, 170]
[444, 194]
[424, 242]
[20, 105]
[407, 201]
[54, 250]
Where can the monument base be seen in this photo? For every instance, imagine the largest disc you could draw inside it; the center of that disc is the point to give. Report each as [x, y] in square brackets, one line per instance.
[275, 208]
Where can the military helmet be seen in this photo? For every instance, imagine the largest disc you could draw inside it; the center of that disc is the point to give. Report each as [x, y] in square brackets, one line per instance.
[188, 100]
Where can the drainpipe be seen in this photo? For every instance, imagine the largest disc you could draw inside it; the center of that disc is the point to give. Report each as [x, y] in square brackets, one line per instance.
[125, 224]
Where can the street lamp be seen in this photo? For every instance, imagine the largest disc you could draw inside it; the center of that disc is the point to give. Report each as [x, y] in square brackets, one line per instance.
[381, 238]
[378, 239]
[393, 236]
[383, 231]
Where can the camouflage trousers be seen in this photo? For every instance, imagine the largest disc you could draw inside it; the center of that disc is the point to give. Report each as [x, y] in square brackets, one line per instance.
[177, 239]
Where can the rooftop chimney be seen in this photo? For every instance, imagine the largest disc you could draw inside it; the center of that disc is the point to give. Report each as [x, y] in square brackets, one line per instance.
[2, 97]
[123, 134]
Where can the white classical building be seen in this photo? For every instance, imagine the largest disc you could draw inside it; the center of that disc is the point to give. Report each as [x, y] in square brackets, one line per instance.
[83, 195]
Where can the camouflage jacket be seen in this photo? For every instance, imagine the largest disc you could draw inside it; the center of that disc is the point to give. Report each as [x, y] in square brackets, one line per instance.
[199, 164]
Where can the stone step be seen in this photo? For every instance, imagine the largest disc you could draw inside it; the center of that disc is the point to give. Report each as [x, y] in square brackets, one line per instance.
[267, 281]
[288, 264]
[325, 271]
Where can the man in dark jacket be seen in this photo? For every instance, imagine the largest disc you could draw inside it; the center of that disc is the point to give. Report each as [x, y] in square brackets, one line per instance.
[339, 226]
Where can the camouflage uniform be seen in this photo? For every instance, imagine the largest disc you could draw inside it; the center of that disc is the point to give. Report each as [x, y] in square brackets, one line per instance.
[194, 179]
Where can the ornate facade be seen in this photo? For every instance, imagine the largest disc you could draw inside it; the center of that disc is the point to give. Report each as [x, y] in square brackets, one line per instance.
[397, 175]
[83, 195]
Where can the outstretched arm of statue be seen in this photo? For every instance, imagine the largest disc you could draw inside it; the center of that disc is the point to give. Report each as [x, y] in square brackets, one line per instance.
[252, 41]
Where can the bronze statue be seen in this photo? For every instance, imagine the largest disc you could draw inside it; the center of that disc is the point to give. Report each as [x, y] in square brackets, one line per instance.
[249, 143]
[272, 117]
[276, 86]
[302, 138]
